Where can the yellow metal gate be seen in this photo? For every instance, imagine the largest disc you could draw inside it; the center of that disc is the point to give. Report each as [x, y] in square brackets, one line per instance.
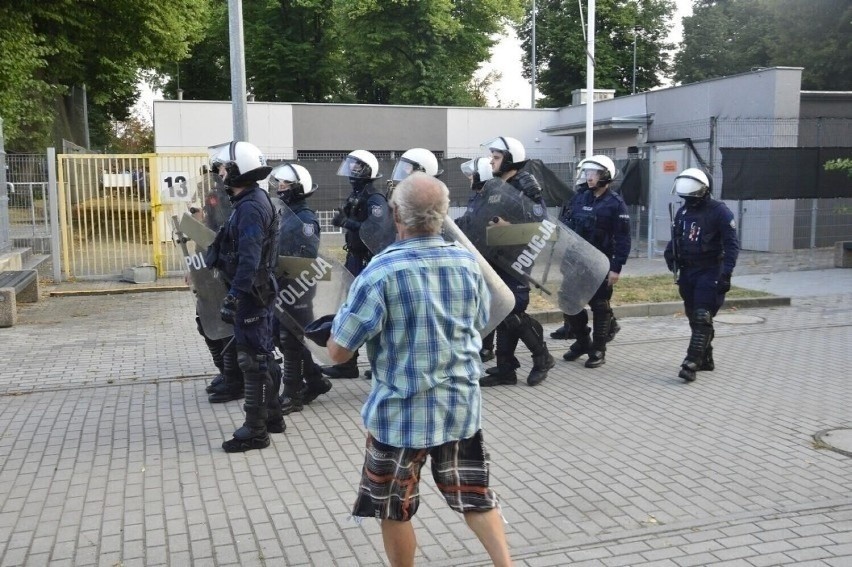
[115, 210]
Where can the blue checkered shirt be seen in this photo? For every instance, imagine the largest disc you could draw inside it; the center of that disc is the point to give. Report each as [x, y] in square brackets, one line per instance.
[419, 306]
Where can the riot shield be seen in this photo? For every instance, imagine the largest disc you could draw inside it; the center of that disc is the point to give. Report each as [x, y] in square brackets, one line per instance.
[514, 234]
[378, 230]
[311, 282]
[209, 290]
[502, 300]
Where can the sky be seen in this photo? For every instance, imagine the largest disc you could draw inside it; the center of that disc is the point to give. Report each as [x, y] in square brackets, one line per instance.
[512, 88]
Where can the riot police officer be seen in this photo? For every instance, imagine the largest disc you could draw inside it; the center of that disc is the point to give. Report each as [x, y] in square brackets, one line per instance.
[600, 216]
[298, 235]
[244, 252]
[703, 253]
[365, 204]
[478, 171]
[215, 210]
[508, 156]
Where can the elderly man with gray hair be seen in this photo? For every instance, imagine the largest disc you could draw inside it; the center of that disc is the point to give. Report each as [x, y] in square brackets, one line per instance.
[419, 306]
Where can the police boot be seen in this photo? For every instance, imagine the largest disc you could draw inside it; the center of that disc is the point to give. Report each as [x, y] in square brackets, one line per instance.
[216, 348]
[707, 362]
[317, 384]
[232, 385]
[532, 335]
[564, 332]
[600, 333]
[501, 375]
[486, 353]
[702, 332]
[291, 400]
[614, 327]
[253, 433]
[581, 346]
[348, 369]
[274, 414]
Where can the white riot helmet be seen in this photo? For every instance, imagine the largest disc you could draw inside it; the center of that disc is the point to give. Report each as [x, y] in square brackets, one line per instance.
[359, 164]
[478, 170]
[512, 149]
[600, 163]
[416, 159]
[244, 163]
[691, 184]
[292, 182]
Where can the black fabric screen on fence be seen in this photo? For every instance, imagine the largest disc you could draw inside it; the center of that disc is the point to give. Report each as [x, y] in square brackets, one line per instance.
[783, 173]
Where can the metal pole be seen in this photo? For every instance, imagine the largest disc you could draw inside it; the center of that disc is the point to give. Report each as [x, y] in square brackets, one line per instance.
[238, 69]
[635, 29]
[590, 80]
[532, 94]
[53, 204]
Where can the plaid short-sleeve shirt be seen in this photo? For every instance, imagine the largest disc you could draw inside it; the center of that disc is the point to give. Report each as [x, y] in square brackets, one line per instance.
[419, 306]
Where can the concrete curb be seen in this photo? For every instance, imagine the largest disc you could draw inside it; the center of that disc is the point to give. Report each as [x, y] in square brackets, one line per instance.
[669, 308]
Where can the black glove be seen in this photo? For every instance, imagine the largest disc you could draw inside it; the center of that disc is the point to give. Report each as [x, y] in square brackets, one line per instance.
[319, 331]
[723, 284]
[338, 219]
[228, 311]
[670, 265]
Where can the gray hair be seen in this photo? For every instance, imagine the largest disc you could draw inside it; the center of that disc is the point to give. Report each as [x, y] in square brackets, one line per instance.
[421, 202]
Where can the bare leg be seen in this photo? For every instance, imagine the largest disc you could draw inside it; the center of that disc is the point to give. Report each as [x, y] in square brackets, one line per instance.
[400, 542]
[488, 527]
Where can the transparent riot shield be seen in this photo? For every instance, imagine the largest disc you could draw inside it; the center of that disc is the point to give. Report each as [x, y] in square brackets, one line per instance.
[378, 230]
[311, 281]
[514, 234]
[208, 289]
[502, 300]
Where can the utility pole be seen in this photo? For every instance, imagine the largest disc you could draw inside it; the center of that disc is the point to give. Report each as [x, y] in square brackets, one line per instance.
[532, 95]
[590, 81]
[238, 69]
[635, 31]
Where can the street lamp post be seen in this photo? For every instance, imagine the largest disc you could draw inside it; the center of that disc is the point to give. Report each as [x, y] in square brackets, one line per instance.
[635, 31]
[532, 95]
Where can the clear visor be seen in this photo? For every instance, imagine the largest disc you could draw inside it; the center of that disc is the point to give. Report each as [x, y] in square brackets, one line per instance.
[404, 167]
[354, 167]
[281, 177]
[219, 154]
[688, 187]
[588, 170]
[498, 144]
[468, 168]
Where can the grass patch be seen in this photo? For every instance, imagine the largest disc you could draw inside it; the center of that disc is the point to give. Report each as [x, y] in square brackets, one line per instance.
[646, 289]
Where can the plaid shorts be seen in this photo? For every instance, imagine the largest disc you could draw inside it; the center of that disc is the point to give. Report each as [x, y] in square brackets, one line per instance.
[390, 478]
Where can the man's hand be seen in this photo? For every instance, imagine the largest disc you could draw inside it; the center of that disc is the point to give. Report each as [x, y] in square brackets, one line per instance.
[612, 278]
[723, 284]
[339, 218]
[228, 311]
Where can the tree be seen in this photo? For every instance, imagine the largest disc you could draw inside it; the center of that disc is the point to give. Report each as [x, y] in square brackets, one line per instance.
[561, 46]
[725, 37]
[414, 52]
[56, 44]
[131, 136]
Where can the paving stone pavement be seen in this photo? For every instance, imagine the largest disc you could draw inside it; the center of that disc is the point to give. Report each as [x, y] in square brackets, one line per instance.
[111, 453]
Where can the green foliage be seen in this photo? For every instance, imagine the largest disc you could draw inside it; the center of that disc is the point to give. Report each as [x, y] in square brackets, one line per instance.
[724, 37]
[840, 164]
[561, 46]
[48, 46]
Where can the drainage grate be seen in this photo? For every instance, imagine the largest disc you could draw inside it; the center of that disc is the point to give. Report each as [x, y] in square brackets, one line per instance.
[838, 440]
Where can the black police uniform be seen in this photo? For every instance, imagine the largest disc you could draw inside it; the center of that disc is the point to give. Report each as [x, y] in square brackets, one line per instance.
[704, 248]
[299, 236]
[244, 251]
[365, 205]
[518, 325]
[604, 222]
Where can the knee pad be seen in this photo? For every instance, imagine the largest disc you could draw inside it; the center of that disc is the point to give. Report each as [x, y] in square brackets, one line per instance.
[250, 362]
[513, 321]
[600, 305]
[702, 316]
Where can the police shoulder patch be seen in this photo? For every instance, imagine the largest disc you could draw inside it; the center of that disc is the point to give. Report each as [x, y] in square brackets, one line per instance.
[308, 229]
[538, 210]
[733, 223]
[376, 210]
